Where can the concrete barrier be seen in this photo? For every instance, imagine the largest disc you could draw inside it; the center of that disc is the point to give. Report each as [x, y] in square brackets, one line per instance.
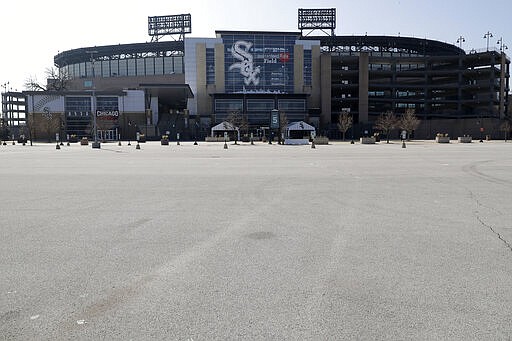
[367, 140]
[443, 139]
[464, 139]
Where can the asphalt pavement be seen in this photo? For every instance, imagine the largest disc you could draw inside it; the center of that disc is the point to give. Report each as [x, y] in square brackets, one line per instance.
[256, 242]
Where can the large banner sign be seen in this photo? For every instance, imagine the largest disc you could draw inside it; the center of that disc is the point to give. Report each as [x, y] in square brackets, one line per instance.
[241, 52]
[261, 64]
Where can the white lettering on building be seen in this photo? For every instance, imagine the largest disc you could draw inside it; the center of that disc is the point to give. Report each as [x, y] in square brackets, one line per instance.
[107, 114]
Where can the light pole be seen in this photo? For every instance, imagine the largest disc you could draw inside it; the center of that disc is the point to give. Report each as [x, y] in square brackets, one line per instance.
[487, 36]
[461, 40]
[96, 143]
[3, 115]
[3, 125]
[196, 128]
[6, 87]
[175, 125]
[503, 47]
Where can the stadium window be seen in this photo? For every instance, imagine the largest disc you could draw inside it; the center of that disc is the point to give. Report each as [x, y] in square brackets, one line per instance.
[107, 103]
[150, 66]
[178, 64]
[114, 67]
[292, 104]
[131, 67]
[226, 105]
[159, 66]
[141, 69]
[168, 65]
[123, 67]
[307, 67]
[105, 68]
[81, 70]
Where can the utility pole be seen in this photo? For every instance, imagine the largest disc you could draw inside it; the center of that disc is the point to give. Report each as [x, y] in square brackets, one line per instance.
[96, 143]
[487, 36]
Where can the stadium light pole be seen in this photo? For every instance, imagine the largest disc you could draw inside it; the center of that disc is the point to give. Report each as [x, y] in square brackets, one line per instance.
[487, 36]
[503, 47]
[95, 143]
[2, 125]
[461, 40]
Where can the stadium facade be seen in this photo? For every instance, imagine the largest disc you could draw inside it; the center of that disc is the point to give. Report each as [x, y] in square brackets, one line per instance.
[189, 85]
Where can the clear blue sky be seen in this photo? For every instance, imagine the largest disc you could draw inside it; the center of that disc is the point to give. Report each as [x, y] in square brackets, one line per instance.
[32, 32]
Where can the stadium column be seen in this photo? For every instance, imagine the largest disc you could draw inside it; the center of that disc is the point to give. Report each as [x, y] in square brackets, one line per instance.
[507, 86]
[201, 91]
[363, 87]
[220, 76]
[493, 98]
[298, 69]
[326, 88]
[460, 84]
[316, 74]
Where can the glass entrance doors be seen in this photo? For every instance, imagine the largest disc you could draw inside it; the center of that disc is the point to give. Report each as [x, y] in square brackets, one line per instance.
[107, 135]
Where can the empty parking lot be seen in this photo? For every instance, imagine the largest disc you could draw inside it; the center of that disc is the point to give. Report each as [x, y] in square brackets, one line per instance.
[256, 242]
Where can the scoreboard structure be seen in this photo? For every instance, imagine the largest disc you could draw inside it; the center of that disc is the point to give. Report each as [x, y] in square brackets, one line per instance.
[317, 19]
[164, 25]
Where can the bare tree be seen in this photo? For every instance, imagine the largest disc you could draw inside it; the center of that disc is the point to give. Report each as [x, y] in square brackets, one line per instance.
[32, 84]
[236, 120]
[345, 122]
[56, 79]
[386, 123]
[409, 122]
[244, 125]
[506, 127]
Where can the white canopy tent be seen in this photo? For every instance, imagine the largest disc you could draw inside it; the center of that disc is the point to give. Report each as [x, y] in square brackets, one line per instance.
[298, 133]
[225, 127]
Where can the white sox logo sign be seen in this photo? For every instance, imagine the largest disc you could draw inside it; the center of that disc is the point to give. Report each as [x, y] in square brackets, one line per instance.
[240, 51]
